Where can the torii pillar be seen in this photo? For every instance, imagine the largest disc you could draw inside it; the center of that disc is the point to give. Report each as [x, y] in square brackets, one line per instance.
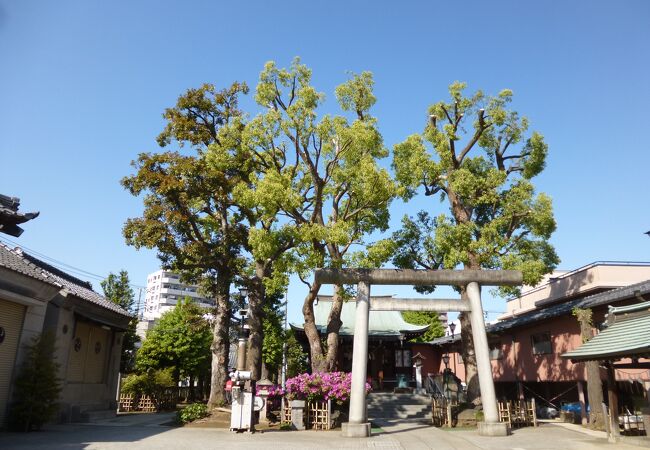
[358, 425]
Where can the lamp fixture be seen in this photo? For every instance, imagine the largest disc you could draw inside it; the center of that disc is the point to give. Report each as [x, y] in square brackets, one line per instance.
[445, 360]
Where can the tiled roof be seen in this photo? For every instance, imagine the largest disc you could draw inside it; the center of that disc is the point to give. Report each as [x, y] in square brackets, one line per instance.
[21, 262]
[14, 260]
[10, 217]
[381, 323]
[626, 336]
[560, 309]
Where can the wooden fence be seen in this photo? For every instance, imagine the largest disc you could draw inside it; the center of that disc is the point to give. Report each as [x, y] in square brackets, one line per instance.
[518, 413]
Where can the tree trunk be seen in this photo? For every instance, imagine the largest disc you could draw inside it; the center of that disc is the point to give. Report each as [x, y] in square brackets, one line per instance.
[467, 341]
[255, 312]
[220, 342]
[333, 326]
[469, 355]
[594, 382]
[595, 394]
[190, 389]
[318, 363]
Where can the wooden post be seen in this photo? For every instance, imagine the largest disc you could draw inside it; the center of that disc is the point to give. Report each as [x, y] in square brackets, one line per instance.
[612, 394]
[583, 407]
[607, 421]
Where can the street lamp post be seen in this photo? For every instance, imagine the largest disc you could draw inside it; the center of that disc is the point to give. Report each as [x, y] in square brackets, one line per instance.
[452, 328]
[243, 386]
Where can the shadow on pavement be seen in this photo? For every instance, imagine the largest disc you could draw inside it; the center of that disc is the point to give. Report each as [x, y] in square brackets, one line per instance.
[79, 436]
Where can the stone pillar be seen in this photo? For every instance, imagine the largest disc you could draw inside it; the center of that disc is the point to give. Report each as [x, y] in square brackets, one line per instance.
[491, 426]
[581, 399]
[297, 414]
[418, 378]
[358, 425]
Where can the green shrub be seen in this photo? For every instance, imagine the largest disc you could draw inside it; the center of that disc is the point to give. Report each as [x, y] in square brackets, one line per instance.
[153, 384]
[37, 386]
[192, 412]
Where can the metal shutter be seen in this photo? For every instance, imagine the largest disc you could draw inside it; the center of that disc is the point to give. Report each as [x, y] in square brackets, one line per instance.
[11, 321]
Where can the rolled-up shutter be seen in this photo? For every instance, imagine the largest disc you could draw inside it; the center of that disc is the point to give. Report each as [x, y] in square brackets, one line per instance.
[11, 325]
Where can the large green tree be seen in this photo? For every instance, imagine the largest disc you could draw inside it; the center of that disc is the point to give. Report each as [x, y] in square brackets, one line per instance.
[432, 319]
[189, 215]
[117, 289]
[479, 158]
[321, 173]
[181, 341]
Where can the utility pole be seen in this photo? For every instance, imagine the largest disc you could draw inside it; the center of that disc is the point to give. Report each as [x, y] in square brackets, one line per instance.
[138, 313]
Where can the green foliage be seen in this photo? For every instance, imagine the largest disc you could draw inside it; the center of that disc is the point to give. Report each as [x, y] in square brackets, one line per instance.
[274, 335]
[37, 386]
[322, 174]
[475, 154]
[319, 171]
[585, 319]
[432, 319]
[190, 216]
[297, 358]
[181, 340]
[118, 290]
[151, 383]
[192, 412]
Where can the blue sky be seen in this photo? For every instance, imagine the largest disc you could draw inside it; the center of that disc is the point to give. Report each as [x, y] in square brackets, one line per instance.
[83, 85]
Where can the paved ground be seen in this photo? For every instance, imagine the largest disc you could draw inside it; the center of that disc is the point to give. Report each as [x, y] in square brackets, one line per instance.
[147, 431]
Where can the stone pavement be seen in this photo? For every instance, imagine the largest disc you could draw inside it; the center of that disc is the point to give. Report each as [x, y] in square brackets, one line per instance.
[148, 431]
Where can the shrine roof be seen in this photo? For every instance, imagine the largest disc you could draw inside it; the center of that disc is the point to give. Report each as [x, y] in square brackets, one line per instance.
[381, 323]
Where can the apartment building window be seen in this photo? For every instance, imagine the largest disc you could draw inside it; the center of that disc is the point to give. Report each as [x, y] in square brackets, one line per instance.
[541, 343]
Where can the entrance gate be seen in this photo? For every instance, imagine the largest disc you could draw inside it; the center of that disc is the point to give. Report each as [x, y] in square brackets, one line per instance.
[472, 280]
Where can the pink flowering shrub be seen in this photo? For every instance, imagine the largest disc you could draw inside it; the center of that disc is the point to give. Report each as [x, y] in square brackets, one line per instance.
[321, 386]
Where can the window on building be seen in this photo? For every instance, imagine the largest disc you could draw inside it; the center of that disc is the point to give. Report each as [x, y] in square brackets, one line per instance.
[402, 358]
[496, 351]
[541, 343]
[459, 358]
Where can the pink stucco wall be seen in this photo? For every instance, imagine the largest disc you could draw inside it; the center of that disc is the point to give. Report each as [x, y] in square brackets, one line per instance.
[519, 363]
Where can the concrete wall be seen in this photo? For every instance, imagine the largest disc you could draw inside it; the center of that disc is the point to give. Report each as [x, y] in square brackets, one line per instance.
[79, 397]
[586, 280]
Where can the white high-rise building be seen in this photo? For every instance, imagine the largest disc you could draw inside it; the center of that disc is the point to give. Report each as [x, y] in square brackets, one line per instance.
[164, 290]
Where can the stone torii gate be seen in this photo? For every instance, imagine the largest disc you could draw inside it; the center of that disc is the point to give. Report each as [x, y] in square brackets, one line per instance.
[358, 425]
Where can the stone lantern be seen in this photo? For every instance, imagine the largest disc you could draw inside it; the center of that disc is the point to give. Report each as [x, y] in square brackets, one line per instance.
[418, 360]
[263, 392]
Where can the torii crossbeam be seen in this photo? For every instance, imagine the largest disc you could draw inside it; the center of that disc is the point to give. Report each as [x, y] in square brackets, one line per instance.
[472, 280]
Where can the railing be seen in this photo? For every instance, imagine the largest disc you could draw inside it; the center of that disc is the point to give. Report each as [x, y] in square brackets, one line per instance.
[432, 387]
